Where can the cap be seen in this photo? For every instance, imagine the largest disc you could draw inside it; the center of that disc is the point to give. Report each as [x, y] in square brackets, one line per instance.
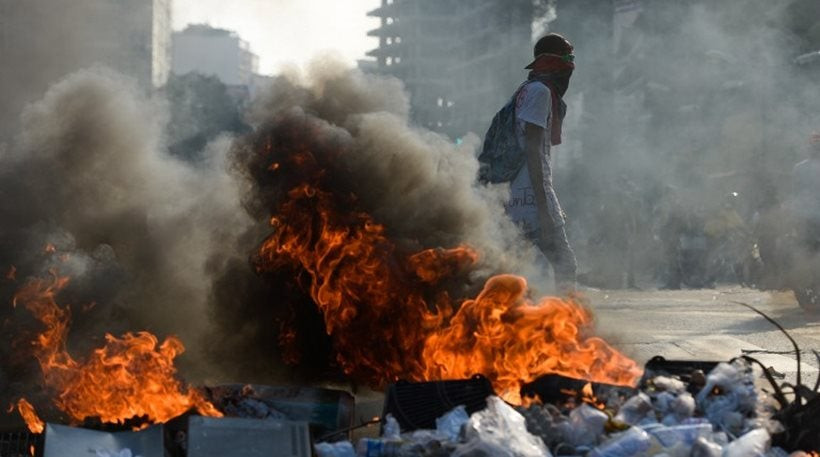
[570, 58]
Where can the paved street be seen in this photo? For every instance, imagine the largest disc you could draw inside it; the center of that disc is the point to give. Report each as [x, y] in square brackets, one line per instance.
[706, 325]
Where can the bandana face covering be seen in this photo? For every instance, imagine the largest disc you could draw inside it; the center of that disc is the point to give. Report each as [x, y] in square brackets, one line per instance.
[554, 71]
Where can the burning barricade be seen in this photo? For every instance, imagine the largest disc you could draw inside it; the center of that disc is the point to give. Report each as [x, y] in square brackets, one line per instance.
[675, 409]
[422, 307]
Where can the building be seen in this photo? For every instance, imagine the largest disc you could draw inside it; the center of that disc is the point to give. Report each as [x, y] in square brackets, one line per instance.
[160, 42]
[218, 52]
[40, 44]
[459, 59]
[132, 37]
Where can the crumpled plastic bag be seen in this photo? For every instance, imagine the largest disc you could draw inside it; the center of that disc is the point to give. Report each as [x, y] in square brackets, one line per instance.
[668, 384]
[635, 409]
[729, 395]
[391, 430]
[499, 431]
[625, 444]
[585, 426]
[684, 434]
[704, 447]
[753, 444]
[449, 425]
[338, 449]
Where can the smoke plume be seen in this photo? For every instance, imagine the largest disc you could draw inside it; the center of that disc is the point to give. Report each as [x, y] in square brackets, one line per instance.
[132, 227]
[418, 184]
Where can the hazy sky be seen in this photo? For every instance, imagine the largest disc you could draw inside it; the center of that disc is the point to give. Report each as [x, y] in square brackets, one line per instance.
[287, 31]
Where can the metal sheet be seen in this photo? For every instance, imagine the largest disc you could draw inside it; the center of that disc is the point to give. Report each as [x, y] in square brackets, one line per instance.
[63, 441]
[238, 437]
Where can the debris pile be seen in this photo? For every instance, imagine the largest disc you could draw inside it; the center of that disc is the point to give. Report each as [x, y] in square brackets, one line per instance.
[719, 414]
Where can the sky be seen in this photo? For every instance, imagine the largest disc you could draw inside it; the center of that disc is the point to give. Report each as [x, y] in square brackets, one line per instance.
[284, 32]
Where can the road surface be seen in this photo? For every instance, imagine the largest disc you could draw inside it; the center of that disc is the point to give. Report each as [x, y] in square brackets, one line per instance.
[706, 325]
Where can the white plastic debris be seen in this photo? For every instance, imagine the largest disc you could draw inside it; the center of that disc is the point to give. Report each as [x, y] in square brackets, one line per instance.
[391, 430]
[449, 425]
[684, 406]
[668, 384]
[500, 431]
[752, 444]
[626, 444]
[706, 448]
[338, 449]
[663, 402]
[729, 396]
[686, 435]
[635, 409]
[586, 425]
[676, 410]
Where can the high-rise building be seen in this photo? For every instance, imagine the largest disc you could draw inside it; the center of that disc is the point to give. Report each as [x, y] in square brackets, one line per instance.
[459, 59]
[161, 42]
[40, 43]
[217, 52]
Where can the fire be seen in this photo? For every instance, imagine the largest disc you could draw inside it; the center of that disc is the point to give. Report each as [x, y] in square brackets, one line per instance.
[511, 341]
[131, 376]
[388, 314]
[370, 303]
[33, 421]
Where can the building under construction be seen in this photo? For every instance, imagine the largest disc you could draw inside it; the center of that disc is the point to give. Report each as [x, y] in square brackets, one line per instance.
[459, 59]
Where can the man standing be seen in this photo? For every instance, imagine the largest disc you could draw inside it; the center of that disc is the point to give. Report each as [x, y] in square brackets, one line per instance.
[539, 112]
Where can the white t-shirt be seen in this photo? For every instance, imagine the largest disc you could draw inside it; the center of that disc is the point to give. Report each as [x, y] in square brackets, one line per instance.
[533, 105]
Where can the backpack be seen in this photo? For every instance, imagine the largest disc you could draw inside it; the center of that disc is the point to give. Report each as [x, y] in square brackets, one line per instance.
[501, 156]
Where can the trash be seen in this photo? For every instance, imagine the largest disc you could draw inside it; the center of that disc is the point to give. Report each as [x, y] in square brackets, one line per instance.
[63, 441]
[729, 396]
[705, 448]
[752, 444]
[391, 430]
[369, 447]
[635, 409]
[668, 384]
[239, 437]
[586, 424]
[338, 449]
[625, 444]
[500, 430]
[450, 424]
[686, 434]
[684, 406]
[326, 410]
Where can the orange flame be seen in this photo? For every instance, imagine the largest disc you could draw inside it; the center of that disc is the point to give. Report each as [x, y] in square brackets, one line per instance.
[129, 377]
[389, 318]
[512, 341]
[33, 421]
